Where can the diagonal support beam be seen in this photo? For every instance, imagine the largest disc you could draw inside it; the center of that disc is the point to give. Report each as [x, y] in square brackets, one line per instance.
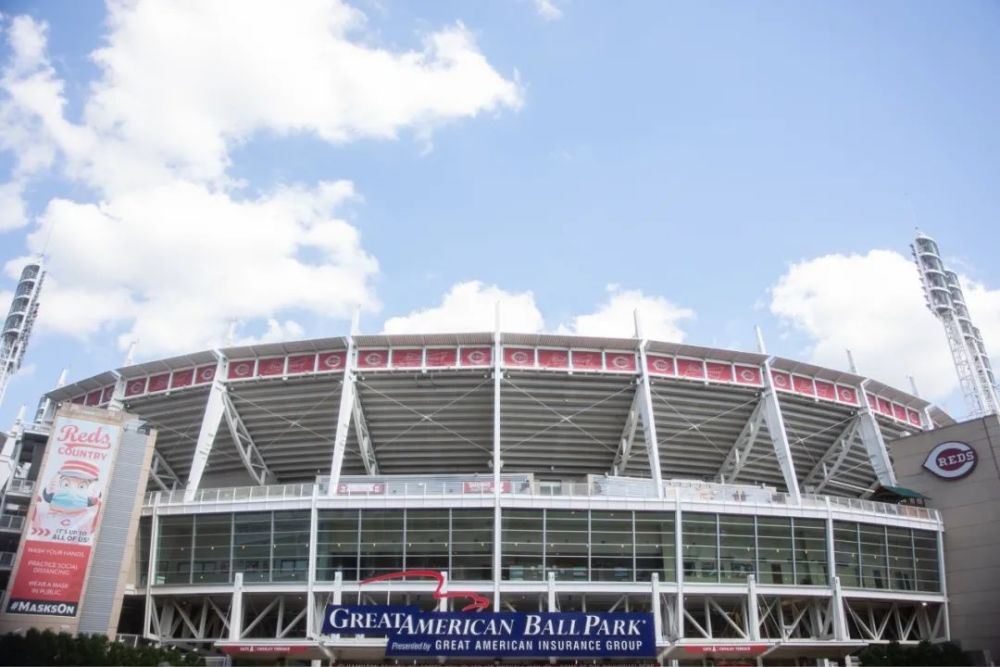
[364, 438]
[644, 392]
[740, 452]
[347, 391]
[161, 474]
[628, 436]
[832, 460]
[779, 438]
[871, 436]
[245, 447]
[210, 421]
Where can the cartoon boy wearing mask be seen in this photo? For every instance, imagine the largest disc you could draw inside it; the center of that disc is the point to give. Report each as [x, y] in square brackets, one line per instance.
[67, 500]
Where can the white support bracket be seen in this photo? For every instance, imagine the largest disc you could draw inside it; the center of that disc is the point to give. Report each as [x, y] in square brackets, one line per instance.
[346, 410]
[364, 439]
[832, 460]
[210, 421]
[740, 452]
[779, 438]
[245, 447]
[628, 436]
[161, 474]
[871, 437]
[645, 394]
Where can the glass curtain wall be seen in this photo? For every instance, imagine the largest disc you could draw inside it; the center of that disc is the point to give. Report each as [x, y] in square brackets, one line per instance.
[886, 557]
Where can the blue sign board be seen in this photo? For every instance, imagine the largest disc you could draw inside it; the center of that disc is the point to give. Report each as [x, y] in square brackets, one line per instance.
[414, 633]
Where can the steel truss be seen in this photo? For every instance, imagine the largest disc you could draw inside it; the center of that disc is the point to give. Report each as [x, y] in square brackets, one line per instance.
[884, 621]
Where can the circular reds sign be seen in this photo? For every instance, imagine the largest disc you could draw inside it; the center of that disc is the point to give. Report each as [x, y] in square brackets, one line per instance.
[952, 460]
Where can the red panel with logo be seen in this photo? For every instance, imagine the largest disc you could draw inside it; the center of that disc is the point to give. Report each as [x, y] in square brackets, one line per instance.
[748, 375]
[691, 368]
[135, 387]
[623, 362]
[108, 392]
[803, 385]
[301, 363]
[93, 398]
[159, 382]
[443, 357]
[476, 356]
[847, 395]
[658, 365]
[826, 390]
[884, 406]
[899, 412]
[585, 360]
[407, 358]
[370, 359]
[184, 378]
[518, 356]
[913, 417]
[718, 371]
[553, 358]
[241, 369]
[271, 366]
[331, 361]
[204, 374]
[781, 380]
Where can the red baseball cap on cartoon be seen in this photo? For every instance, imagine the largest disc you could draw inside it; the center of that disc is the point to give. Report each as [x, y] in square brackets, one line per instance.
[79, 470]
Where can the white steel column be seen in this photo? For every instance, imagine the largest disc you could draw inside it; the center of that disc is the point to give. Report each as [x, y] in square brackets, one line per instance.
[646, 411]
[871, 436]
[753, 614]
[311, 575]
[346, 411]
[154, 537]
[236, 609]
[779, 438]
[215, 406]
[657, 616]
[837, 600]
[117, 401]
[944, 584]
[679, 569]
[497, 463]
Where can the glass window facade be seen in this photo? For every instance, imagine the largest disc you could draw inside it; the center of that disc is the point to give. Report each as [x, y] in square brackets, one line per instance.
[575, 545]
[886, 557]
[582, 545]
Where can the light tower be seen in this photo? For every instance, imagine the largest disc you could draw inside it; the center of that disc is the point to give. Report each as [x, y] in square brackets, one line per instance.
[20, 320]
[946, 300]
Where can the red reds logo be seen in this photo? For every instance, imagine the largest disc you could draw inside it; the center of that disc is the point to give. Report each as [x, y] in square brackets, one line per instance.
[519, 357]
[476, 357]
[206, 374]
[242, 370]
[71, 435]
[332, 361]
[620, 361]
[374, 359]
[661, 365]
[952, 460]
[748, 375]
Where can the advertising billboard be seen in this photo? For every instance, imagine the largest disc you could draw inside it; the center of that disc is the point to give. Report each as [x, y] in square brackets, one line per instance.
[64, 517]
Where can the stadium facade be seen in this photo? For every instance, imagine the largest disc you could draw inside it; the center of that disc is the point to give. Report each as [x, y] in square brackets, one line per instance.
[723, 495]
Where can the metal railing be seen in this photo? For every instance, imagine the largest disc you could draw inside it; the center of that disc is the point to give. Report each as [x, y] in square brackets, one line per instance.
[596, 486]
[17, 485]
[11, 522]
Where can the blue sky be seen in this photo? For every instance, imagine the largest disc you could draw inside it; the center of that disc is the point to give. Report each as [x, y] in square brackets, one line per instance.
[717, 165]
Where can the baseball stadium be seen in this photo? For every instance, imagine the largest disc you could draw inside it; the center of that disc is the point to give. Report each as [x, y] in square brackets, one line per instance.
[745, 504]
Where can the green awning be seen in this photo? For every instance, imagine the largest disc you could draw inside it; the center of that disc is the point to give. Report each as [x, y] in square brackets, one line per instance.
[904, 492]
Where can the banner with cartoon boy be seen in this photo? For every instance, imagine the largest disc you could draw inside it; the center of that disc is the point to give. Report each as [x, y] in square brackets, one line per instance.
[63, 518]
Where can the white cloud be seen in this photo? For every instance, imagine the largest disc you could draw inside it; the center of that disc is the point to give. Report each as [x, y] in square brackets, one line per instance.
[12, 213]
[470, 306]
[162, 110]
[548, 10]
[873, 305]
[661, 319]
[172, 250]
[181, 260]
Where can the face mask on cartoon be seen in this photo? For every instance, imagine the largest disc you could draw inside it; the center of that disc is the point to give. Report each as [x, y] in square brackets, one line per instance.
[68, 500]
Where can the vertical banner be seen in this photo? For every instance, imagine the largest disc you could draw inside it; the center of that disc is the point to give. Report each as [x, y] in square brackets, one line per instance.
[64, 517]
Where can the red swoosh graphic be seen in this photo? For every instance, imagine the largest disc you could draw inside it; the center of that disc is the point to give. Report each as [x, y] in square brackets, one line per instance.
[478, 601]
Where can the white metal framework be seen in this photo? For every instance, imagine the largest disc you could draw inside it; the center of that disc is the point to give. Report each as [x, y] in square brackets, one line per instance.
[946, 300]
[502, 424]
[20, 320]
